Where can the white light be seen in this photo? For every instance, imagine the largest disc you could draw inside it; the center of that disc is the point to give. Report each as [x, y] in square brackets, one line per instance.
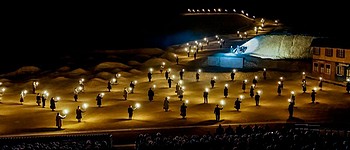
[214, 77]
[315, 88]
[226, 85]
[205, 39]
[65, 111]
[58, 98]
[185, 50]
[241, 97]
[25, 91]
[154, 86]
[264, 69]
[281, 78]
[259, 92]
[168, 98]
[199, 70]
[256, 77]
[0, 83]
[186, 101]
[173, 76]
[80, 88]
[320, 78]
[242, 11]
[163, 63]
[234, 70]
[183, 87]
[348, 79]
[135, 81]
[180, 82]
[3, 89]
[189, 10]
[245, 81]
[130, 88]
[206, 89]
[234, 10]
[303, 73]
[85, 105]
[279, 82]
[222, 102]
[169, 69]
[150, 69]
[102, 94]
[289, 100]
[183, 70]
[292, 92]
[187, 44]
[137, 105]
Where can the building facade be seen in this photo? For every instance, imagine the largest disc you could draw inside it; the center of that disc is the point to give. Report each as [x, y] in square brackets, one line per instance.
[331, 59]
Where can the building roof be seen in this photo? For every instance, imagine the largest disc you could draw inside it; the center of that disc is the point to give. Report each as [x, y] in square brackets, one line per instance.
[331, 43]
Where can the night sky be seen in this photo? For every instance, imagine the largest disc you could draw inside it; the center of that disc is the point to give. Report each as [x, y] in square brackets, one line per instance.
[56, 28]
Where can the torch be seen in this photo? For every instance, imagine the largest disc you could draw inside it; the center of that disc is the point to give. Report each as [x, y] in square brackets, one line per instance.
[154, 86]
[65, 112]
[186, 101]
[222, 102]
[85, 106]
[137, 105]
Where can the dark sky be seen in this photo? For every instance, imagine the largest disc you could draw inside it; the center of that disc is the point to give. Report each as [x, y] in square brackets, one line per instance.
[93, 25]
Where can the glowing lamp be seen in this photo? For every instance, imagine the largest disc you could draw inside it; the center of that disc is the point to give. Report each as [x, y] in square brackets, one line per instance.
[199, 70]
[25, 91]
[256, 77]
[303, 73]
[226, 85]
[320, 78]
[137, 105]
[180, 82]
[169, 69]
[150, 69]
[130, 88]
[281, 78]
[245, 81]
[264, 69]
[65, 111]
[0, 83]
[58, 98]
[348, 79]
[168, 97]
[163, 63]
[214, 77]
[222, 102]
[183, 87]
[289, 100]
[183, 70]
[80, 88]
[135, 81]
[234, 70]
[292, 92]
[279, 82]
[241, 97]
[206, 89]
[259, 92]
[187, 44]
[154, 86]
[186, 101]
[186, 49]
[3, 89]
[85, 106]
[173, 76]
[114, 79]
[102, 94]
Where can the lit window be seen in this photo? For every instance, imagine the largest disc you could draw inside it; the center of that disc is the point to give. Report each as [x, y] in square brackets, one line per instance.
[340, 70]
[328, 69]
[322, 68]
[315, 67]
